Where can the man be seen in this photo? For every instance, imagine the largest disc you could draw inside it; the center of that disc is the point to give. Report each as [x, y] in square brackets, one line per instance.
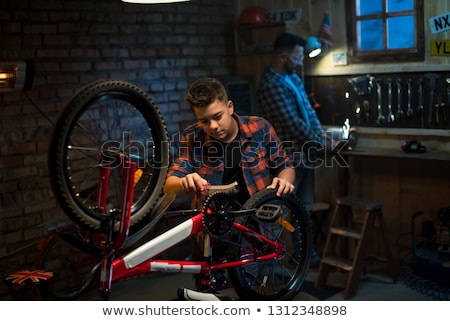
[282, 99]
[223, 147]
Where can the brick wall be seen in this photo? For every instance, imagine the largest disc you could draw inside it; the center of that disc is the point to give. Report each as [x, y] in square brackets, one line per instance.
[160, 48]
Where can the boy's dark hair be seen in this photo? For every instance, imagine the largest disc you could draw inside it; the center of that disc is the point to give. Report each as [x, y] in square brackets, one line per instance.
[286, 42]
[204, 91]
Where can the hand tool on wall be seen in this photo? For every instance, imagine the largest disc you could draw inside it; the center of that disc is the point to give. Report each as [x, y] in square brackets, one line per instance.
[358, 112]
[362, 84]
[400, 112]
[390, 116]
[448, 102]
[380, 119]
[431, 78]
[437, 107]
[366, 108]
[420, 105]
[409, 110]
[440, 109]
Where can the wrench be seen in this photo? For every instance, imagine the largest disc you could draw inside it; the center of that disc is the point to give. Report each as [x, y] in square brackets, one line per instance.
[366, 107]
[409, 110]
[400, 112]
[448, 88]
[432, 78]
[381, 119]
[420, 105]
[358, 113]
[448, 97]
[390, 116]
[439, 105]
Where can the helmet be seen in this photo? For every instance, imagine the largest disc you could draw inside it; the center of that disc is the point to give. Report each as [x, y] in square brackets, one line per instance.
[252, 15]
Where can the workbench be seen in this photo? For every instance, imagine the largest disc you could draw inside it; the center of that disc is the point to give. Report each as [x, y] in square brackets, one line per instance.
[398, 153]
[405, 183]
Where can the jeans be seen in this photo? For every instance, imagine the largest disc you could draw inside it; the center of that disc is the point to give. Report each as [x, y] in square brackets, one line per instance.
[304, 186]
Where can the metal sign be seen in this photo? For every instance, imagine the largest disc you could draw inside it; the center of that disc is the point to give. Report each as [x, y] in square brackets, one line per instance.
[440, 47]
[440, 23]
[294, 14]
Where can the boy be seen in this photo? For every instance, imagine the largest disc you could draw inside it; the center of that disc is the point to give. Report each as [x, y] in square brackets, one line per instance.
[223, 147]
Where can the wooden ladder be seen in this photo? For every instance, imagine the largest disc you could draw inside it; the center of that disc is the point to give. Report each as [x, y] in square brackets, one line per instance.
[353, 219]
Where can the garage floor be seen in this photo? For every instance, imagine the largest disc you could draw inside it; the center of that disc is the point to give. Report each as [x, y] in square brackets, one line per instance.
[163, 287]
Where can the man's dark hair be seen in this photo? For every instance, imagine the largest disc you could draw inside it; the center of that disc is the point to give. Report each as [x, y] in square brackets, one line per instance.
[286, 42]
[204, 91]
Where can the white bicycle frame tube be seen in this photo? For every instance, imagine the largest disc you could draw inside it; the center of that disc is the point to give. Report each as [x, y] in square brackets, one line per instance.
[162, 242]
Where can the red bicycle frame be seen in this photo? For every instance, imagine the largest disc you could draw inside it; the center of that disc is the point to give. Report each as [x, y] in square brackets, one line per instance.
[140, 260]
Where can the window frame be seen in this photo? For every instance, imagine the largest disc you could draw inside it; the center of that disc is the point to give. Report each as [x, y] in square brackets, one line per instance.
[385, 55]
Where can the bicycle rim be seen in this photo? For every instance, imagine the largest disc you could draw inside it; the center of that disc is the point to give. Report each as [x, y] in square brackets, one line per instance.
[105, 119]
[277, 279]
[73, 270]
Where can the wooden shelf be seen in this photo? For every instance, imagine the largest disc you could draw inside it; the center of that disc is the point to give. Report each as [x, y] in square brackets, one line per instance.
[403, 131]
[262, 26]
[253, 46]
[258, 38]
[398, 153]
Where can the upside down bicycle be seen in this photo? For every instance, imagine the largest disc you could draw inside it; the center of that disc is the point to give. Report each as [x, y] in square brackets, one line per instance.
[108, 160]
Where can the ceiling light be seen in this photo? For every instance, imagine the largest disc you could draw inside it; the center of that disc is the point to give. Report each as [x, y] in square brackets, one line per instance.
[153, 1]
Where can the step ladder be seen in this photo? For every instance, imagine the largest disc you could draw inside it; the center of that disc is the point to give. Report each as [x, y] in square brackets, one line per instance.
[352, 228]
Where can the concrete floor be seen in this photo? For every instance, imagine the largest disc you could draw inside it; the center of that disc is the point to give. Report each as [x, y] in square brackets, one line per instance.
[163, 287]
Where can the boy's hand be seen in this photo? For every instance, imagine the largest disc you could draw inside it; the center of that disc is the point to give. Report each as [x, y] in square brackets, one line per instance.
[283, 186]
[194, 183]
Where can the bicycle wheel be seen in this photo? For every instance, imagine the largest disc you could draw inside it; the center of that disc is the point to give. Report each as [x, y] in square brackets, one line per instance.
[277, 279]
[73, 270]
[101, 125]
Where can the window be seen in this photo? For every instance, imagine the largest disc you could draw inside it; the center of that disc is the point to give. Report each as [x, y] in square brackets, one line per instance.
[387, 30]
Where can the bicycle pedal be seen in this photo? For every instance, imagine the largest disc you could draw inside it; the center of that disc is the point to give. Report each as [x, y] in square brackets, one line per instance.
[268, 212]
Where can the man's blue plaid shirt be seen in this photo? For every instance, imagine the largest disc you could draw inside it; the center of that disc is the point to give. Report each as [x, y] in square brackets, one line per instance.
[278, 103]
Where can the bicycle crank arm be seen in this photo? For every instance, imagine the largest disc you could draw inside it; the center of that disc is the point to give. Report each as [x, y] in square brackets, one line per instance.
[241, 213]
[268, 212]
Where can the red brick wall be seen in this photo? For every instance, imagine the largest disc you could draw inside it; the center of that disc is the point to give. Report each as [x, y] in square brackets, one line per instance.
[160, 48]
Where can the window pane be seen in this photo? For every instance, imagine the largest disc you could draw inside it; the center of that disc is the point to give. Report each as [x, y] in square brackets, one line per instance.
[399, 5]
[364, 7]
[401, 32]
[370, 34]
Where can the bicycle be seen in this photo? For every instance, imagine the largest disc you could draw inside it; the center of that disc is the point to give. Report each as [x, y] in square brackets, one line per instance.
[108, 160]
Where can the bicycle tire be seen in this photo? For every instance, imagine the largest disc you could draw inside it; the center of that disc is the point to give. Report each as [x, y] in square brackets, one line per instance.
[73, 270]
[274, 279]
[107, 117]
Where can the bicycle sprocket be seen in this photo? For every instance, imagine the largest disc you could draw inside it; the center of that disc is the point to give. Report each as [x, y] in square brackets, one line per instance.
[216, 217]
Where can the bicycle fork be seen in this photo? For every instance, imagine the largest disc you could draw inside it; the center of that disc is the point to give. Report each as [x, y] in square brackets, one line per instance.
[128, 172]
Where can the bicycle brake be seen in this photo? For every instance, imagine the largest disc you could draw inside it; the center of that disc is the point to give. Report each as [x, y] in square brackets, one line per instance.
[268, 212]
